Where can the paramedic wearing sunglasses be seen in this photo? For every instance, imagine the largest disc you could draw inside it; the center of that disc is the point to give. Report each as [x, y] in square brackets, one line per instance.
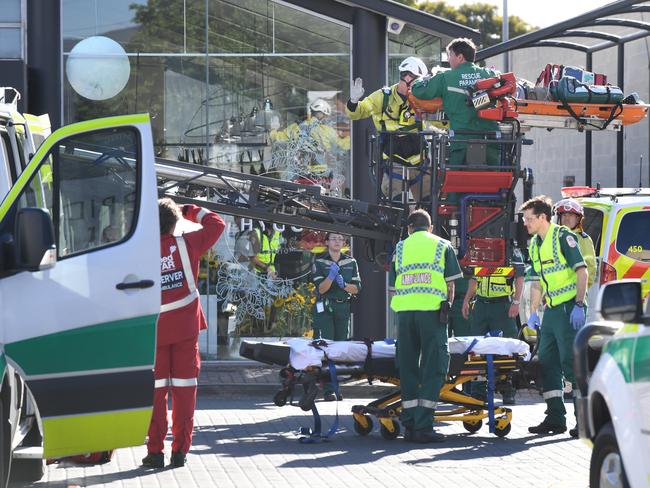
[453, 87]
[390, 112]
[181, 319]
[558, 266]
[423, 272]
[336, 276]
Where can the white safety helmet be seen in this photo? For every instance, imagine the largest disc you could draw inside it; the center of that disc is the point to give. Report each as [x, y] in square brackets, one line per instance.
[320, 105]
[413, 65]
[568, 205]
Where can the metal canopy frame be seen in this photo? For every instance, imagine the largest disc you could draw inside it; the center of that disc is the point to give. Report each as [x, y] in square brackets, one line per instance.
[581, 27]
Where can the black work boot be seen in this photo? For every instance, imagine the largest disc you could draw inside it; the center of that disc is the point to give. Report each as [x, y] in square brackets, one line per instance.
[427, 436]
[547, 427]
[574, 432]
[178, 459]
[152, 460]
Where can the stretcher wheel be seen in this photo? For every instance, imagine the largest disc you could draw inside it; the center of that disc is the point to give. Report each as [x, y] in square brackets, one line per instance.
[361, 429]
[387, 434]
[280, 398]
[502, 432]
[472, 427]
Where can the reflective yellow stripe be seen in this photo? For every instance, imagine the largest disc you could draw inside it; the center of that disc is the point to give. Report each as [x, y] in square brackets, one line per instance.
[78, 434]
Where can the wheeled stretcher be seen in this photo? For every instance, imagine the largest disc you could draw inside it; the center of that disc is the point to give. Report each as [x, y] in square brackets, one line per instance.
[307, 365]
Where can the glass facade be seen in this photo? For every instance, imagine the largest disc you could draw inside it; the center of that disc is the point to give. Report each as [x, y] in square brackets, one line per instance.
[411, 42]
[255, 86]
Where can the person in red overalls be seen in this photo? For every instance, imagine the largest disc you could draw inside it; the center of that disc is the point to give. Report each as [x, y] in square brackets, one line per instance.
[181, 319]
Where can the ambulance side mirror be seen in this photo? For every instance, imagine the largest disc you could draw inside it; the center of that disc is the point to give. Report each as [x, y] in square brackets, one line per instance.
[621, 301]
[34, 240]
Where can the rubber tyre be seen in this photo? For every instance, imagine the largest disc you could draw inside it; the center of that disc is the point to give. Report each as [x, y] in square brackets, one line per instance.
[5, 445]
[502, 432]
[29, 469]
[280, 398]
[473, 427]
[606, 457]
[360, 429]
[388, 435]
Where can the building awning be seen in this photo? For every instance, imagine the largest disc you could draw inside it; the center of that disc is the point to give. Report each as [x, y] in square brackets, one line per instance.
[585, 26]
[422, 20]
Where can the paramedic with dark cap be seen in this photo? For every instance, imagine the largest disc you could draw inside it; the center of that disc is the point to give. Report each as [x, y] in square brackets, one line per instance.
[559, 268]
[452, 86]
[181, 319]
[424, 269]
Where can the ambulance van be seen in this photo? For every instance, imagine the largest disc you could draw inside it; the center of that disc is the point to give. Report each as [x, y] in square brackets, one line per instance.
[612, 368]
[79, 288]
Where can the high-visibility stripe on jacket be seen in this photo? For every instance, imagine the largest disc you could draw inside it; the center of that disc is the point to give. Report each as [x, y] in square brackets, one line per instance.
[558, 279]
[420, 268]
[189, 282]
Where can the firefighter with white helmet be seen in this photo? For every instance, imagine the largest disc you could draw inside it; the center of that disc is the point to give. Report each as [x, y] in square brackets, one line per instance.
[390, 111]
[315, 137]
[571, 214]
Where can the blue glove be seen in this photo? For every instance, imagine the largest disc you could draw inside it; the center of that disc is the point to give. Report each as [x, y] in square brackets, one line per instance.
[340, 282]
[578, 317]
[533, 321]
[334, 270]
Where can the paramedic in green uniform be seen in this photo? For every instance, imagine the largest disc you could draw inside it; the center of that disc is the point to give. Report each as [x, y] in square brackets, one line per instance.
[559, 268]
[424, 269]
[496, 305]
[452, 86]
[459, 326]
[336, 276]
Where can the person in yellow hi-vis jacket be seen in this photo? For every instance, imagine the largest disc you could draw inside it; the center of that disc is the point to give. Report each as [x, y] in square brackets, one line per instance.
[390, 112]
[570, 214]
[315, 137]
[424, 269]
[562, 276]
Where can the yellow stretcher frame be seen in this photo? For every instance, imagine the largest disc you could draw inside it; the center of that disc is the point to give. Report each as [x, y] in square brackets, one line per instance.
[469, 410]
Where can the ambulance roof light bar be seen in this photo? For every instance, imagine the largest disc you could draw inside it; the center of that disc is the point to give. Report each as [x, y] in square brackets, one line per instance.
[578, 191]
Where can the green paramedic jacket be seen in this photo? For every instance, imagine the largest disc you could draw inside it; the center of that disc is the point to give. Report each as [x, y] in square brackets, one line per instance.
[348, 270]
[451, 85]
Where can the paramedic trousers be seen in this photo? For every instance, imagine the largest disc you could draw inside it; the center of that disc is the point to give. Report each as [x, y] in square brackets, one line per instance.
[458, 325]
[490, 315]
[423, 362]
[333, 323]
[177, 366]
[556, 359]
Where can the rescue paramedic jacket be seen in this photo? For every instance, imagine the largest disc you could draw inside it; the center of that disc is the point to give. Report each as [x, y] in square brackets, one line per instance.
[185, 322]
[452, 86]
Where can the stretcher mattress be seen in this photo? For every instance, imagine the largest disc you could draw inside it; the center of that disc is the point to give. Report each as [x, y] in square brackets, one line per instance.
[303, 355]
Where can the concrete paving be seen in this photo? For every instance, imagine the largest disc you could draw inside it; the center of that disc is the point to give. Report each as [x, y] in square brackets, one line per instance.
[245, 440]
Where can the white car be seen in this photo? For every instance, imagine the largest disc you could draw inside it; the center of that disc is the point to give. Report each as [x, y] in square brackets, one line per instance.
[612, 368]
